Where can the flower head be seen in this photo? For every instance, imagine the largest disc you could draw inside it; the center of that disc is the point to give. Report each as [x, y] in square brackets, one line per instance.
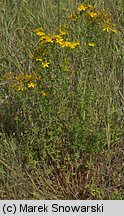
[39, 59]
[109, 29]
[46, 38]
[45, 64]
[114, 30]
[19, 86]
[93, 14]
[31, 85]
[82, 8]
[62, 32]
[91, 44]
[39, 32]
[57, 38]
[43, 93]
[73, 45]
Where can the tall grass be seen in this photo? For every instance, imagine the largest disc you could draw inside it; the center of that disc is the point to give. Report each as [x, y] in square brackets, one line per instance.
[67, 142]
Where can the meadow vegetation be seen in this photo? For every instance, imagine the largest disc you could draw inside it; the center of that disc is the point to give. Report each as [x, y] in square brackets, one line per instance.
[61, 99]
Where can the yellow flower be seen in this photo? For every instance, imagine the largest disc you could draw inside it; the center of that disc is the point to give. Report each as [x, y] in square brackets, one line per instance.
[91, 6]
[115, 31]
[45, 64]
[43, 36]
[65, 44]
[28, 76]
[72, 17]
[93, 14]
[39, 59]
[43, 93]
[17, 78]
[82, 8]
[21, 87]
[62, 32]
[108, 29]
[57, 38]
[91, 44]
[46, 38]
[73, 44]
[31, 85]
[62, 43]
[39, 32]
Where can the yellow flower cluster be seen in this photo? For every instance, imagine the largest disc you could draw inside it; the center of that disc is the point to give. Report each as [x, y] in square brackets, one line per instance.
[22, 81]
[69, 44]
[109, 28]
[84, 7]
[48, 42]
[90, 44]
[56, 39]
[100, 15]
[94, 14]
[60, 39]
[45, 64]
